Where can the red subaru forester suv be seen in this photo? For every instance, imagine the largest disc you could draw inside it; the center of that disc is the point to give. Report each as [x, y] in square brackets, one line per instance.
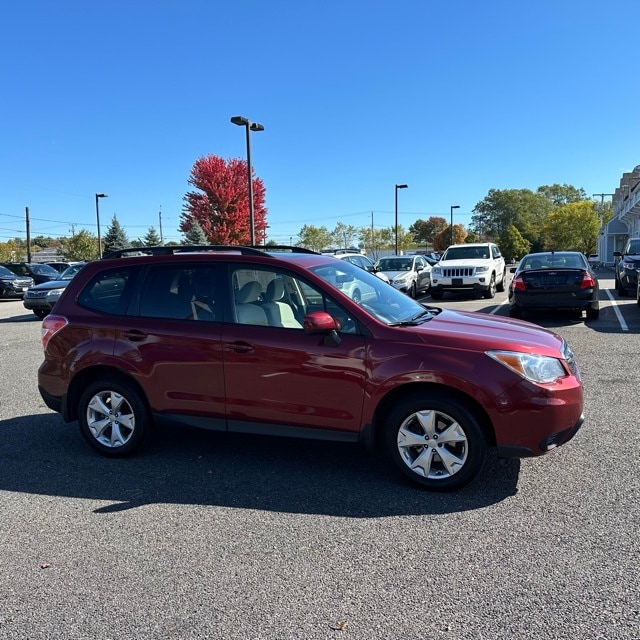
[294, 343]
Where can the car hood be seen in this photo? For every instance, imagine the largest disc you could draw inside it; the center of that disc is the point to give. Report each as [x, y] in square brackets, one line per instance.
[482, 331]
[51, 284]
[392, 274]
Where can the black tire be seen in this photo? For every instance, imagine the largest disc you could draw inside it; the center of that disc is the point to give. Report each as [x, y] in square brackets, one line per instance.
[638, 295]
[40, 313]
[454, 448]
[121, 434]
[437, 295]
[593, 314]
[503, 281]
[622, 292]
[514, 312]
[491, 291]
[413, 290]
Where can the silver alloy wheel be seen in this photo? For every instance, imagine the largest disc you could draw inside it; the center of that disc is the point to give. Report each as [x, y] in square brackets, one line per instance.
[110, 419]
[432, 444]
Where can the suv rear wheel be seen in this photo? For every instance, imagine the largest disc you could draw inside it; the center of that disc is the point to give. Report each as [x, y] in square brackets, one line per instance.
[113, 417]
[435, 441]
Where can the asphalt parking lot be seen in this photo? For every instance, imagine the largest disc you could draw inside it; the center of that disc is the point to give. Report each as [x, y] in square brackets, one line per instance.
[205, 535]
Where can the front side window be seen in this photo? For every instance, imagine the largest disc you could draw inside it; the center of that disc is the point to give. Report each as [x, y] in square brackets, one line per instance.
[277, 298]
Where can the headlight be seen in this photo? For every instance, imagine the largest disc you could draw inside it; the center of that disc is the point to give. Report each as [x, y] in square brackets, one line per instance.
[436, 271]
[482, 269]
[401, 278]
[54, 293]
[530, 366]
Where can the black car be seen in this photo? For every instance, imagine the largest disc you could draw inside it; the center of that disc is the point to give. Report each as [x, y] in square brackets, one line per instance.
[554, 280]
[627, 267]
[12, 284]
[41, 297]
[39, 272]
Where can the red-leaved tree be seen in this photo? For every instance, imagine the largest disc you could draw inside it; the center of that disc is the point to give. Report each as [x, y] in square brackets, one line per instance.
[221, 206]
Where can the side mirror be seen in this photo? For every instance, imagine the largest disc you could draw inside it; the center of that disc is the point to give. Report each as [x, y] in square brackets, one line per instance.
[319, 322]
[617, 254]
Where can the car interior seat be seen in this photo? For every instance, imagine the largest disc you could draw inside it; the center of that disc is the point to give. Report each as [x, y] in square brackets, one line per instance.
[247, 309]
[279, 313]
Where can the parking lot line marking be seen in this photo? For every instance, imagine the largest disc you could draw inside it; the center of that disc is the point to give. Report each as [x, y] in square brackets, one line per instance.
[623, 324]
[498, 307]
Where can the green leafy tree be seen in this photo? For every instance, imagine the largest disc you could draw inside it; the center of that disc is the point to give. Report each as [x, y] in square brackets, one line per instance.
[405, 239]
[151, 238]
[315, 238]
[512, 245]
[561, 194]
[195, 235]
[375, 240]
[572, 227]
[115, 238]
[344, 235]
[45, 242]
[521, 208]
[424, 231]
[8, 251]
[81, 246]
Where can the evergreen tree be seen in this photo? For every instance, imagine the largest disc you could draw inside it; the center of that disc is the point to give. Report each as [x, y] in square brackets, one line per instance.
[115, 238]
[151, 238]
[195, 234]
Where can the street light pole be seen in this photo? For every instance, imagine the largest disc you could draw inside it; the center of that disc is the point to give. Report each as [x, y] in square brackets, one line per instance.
[453, 206]
[398, 186]
[98, 196]
[249, 126]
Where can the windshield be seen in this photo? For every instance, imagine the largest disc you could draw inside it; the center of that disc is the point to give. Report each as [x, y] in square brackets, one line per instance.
[395, 264]
[634, 246]
[466, 253]
[71, 271]
[378, 298]
[43, 269]
[6, 272]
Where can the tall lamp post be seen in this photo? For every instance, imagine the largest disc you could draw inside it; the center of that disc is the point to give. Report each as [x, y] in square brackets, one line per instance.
[453, 206]
[398, 186]
[249, 126]
[98, 196]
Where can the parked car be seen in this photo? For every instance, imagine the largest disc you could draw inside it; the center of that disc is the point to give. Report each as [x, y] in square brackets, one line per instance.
[39, 272]
[627, 265]
[475, 267]
[12, 285]
[410, 274]
[40, 298]
[241, 340]
[61, 266]
[360, 260]
[554, 280]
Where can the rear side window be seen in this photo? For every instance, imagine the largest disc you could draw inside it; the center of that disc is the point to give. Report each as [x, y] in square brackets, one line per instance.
[108, 291]
[181, 292]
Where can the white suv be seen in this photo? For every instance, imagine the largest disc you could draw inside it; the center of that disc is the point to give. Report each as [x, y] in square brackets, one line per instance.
[475, 267]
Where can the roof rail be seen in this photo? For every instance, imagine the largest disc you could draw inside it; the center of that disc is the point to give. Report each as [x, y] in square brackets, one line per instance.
[201, 248]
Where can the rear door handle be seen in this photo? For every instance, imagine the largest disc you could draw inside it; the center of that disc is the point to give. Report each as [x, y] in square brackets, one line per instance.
[240, 347]
[134, 335]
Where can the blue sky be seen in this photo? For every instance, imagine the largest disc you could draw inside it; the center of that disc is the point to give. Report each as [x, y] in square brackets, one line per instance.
[452, 98]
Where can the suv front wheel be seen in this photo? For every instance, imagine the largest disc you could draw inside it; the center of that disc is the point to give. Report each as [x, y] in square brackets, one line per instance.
[435, 441]
[113, 417]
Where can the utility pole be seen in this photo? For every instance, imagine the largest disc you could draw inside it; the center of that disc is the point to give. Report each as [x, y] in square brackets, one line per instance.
[28, 235]
[602, 197]
[160, 221]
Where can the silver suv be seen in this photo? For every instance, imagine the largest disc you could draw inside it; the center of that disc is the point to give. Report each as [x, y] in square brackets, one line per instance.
[477, 267]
